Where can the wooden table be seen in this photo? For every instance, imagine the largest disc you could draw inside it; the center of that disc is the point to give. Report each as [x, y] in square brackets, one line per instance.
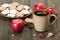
[7, 34]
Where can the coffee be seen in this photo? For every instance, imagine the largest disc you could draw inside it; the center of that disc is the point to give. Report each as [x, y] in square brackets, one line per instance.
[38, 13]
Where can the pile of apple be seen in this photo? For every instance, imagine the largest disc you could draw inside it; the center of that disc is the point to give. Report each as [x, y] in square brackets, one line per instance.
[18, 24]
[15, 9]
[42, 8]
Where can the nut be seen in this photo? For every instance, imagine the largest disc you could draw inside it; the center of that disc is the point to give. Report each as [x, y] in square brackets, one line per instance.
[12, 35]
[41, 35]
[50, 34]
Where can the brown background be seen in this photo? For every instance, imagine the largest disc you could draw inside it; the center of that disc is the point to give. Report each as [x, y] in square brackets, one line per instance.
[6, 32]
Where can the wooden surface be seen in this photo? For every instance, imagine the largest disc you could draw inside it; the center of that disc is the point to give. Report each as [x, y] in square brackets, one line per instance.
[6, 32]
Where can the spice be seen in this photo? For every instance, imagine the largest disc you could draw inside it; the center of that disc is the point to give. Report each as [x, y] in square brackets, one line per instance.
[41, 35]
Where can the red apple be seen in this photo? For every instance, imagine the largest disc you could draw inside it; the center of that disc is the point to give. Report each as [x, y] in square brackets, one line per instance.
[17, 25]
[52, 10]
[38, 6]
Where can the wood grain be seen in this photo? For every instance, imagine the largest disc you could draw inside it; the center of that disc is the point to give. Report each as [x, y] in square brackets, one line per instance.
[6, 32]
[4, 24]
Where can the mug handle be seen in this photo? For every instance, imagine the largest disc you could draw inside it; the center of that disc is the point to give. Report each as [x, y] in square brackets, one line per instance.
[53, 18]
